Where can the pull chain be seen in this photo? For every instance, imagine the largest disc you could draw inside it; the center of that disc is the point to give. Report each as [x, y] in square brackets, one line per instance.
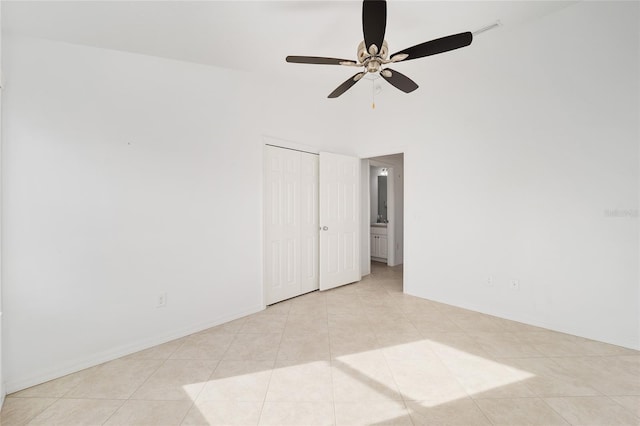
[373, 94]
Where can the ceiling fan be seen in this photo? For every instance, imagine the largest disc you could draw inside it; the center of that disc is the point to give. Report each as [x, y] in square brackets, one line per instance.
[373, 52]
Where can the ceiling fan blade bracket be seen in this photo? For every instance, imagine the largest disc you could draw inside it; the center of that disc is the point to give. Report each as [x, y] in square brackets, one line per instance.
[399, 57]
[346, 85]
[398, 80]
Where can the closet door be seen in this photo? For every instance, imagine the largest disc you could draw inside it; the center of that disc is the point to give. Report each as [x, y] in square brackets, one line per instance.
[339, 220]
[308, 222]
[291, 223]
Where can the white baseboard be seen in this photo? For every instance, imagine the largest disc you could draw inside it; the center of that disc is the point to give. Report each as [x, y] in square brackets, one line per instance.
[519, 317]
[76, 365]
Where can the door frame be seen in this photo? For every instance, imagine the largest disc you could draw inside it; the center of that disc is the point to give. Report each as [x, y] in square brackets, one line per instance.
[391, 210]
[391, 197]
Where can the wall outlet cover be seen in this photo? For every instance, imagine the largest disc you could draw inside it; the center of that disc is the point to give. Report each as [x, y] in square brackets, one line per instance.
[162, 300]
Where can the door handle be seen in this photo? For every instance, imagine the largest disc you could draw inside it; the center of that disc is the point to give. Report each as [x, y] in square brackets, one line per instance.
[325, 228]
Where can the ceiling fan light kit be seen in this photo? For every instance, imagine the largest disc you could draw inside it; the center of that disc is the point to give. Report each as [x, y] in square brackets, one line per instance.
[373, 51]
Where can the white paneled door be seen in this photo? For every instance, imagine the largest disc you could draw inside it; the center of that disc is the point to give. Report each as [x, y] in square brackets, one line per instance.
[339, 220]
[311, 222]
[291, 223]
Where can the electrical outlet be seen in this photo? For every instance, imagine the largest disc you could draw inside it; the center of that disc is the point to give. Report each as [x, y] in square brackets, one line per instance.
[489, 282]
[515, 285]
[162, 300]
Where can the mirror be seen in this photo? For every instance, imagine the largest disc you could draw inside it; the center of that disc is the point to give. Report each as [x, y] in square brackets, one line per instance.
[382, 199]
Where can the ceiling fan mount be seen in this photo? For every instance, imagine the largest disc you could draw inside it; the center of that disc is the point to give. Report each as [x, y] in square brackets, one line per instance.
[373, 51]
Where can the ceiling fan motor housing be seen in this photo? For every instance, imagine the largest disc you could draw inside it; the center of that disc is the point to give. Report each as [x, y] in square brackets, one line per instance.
[372, 62]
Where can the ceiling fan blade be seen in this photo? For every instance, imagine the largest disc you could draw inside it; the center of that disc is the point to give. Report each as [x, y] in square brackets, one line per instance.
[374, 23]
[436, 46]
[399, 80]
[346, 85]
[320, 60]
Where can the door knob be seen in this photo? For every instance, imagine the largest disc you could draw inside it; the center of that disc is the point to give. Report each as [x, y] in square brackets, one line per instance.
[325, 228]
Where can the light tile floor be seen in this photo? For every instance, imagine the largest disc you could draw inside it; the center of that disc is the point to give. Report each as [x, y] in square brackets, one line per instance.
[361, 354]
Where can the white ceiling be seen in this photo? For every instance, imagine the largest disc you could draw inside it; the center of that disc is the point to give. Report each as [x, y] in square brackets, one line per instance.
[255, 36]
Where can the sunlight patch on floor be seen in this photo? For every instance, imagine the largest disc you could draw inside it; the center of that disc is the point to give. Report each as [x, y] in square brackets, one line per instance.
[396, 380]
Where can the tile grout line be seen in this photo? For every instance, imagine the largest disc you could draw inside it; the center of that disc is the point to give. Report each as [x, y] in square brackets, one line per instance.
[193, 401]
[273, 368]
[625, 408]
[142, 384]
[115, 411]
[40, 412]
[455, 377]
[195, 398]
[333, 390]
[404, 401]
[555, 411]
[222, 359]
[386, 360]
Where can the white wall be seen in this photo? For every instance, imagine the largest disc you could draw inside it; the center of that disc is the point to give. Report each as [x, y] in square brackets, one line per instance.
[521, 188]
[2, 390]
[127, 176]
[515, 149]
[124, 176]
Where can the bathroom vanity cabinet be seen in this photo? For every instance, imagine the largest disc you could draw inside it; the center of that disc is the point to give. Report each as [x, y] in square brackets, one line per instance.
[379, 242]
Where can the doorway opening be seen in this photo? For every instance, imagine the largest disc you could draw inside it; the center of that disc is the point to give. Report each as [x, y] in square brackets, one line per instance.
[385, 230]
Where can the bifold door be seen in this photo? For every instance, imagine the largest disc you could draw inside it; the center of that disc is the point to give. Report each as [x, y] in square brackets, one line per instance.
[311, 207]
[291, 223]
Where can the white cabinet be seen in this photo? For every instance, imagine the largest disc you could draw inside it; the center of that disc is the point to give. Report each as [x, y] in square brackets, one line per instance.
[379, 243]
[379, 246]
